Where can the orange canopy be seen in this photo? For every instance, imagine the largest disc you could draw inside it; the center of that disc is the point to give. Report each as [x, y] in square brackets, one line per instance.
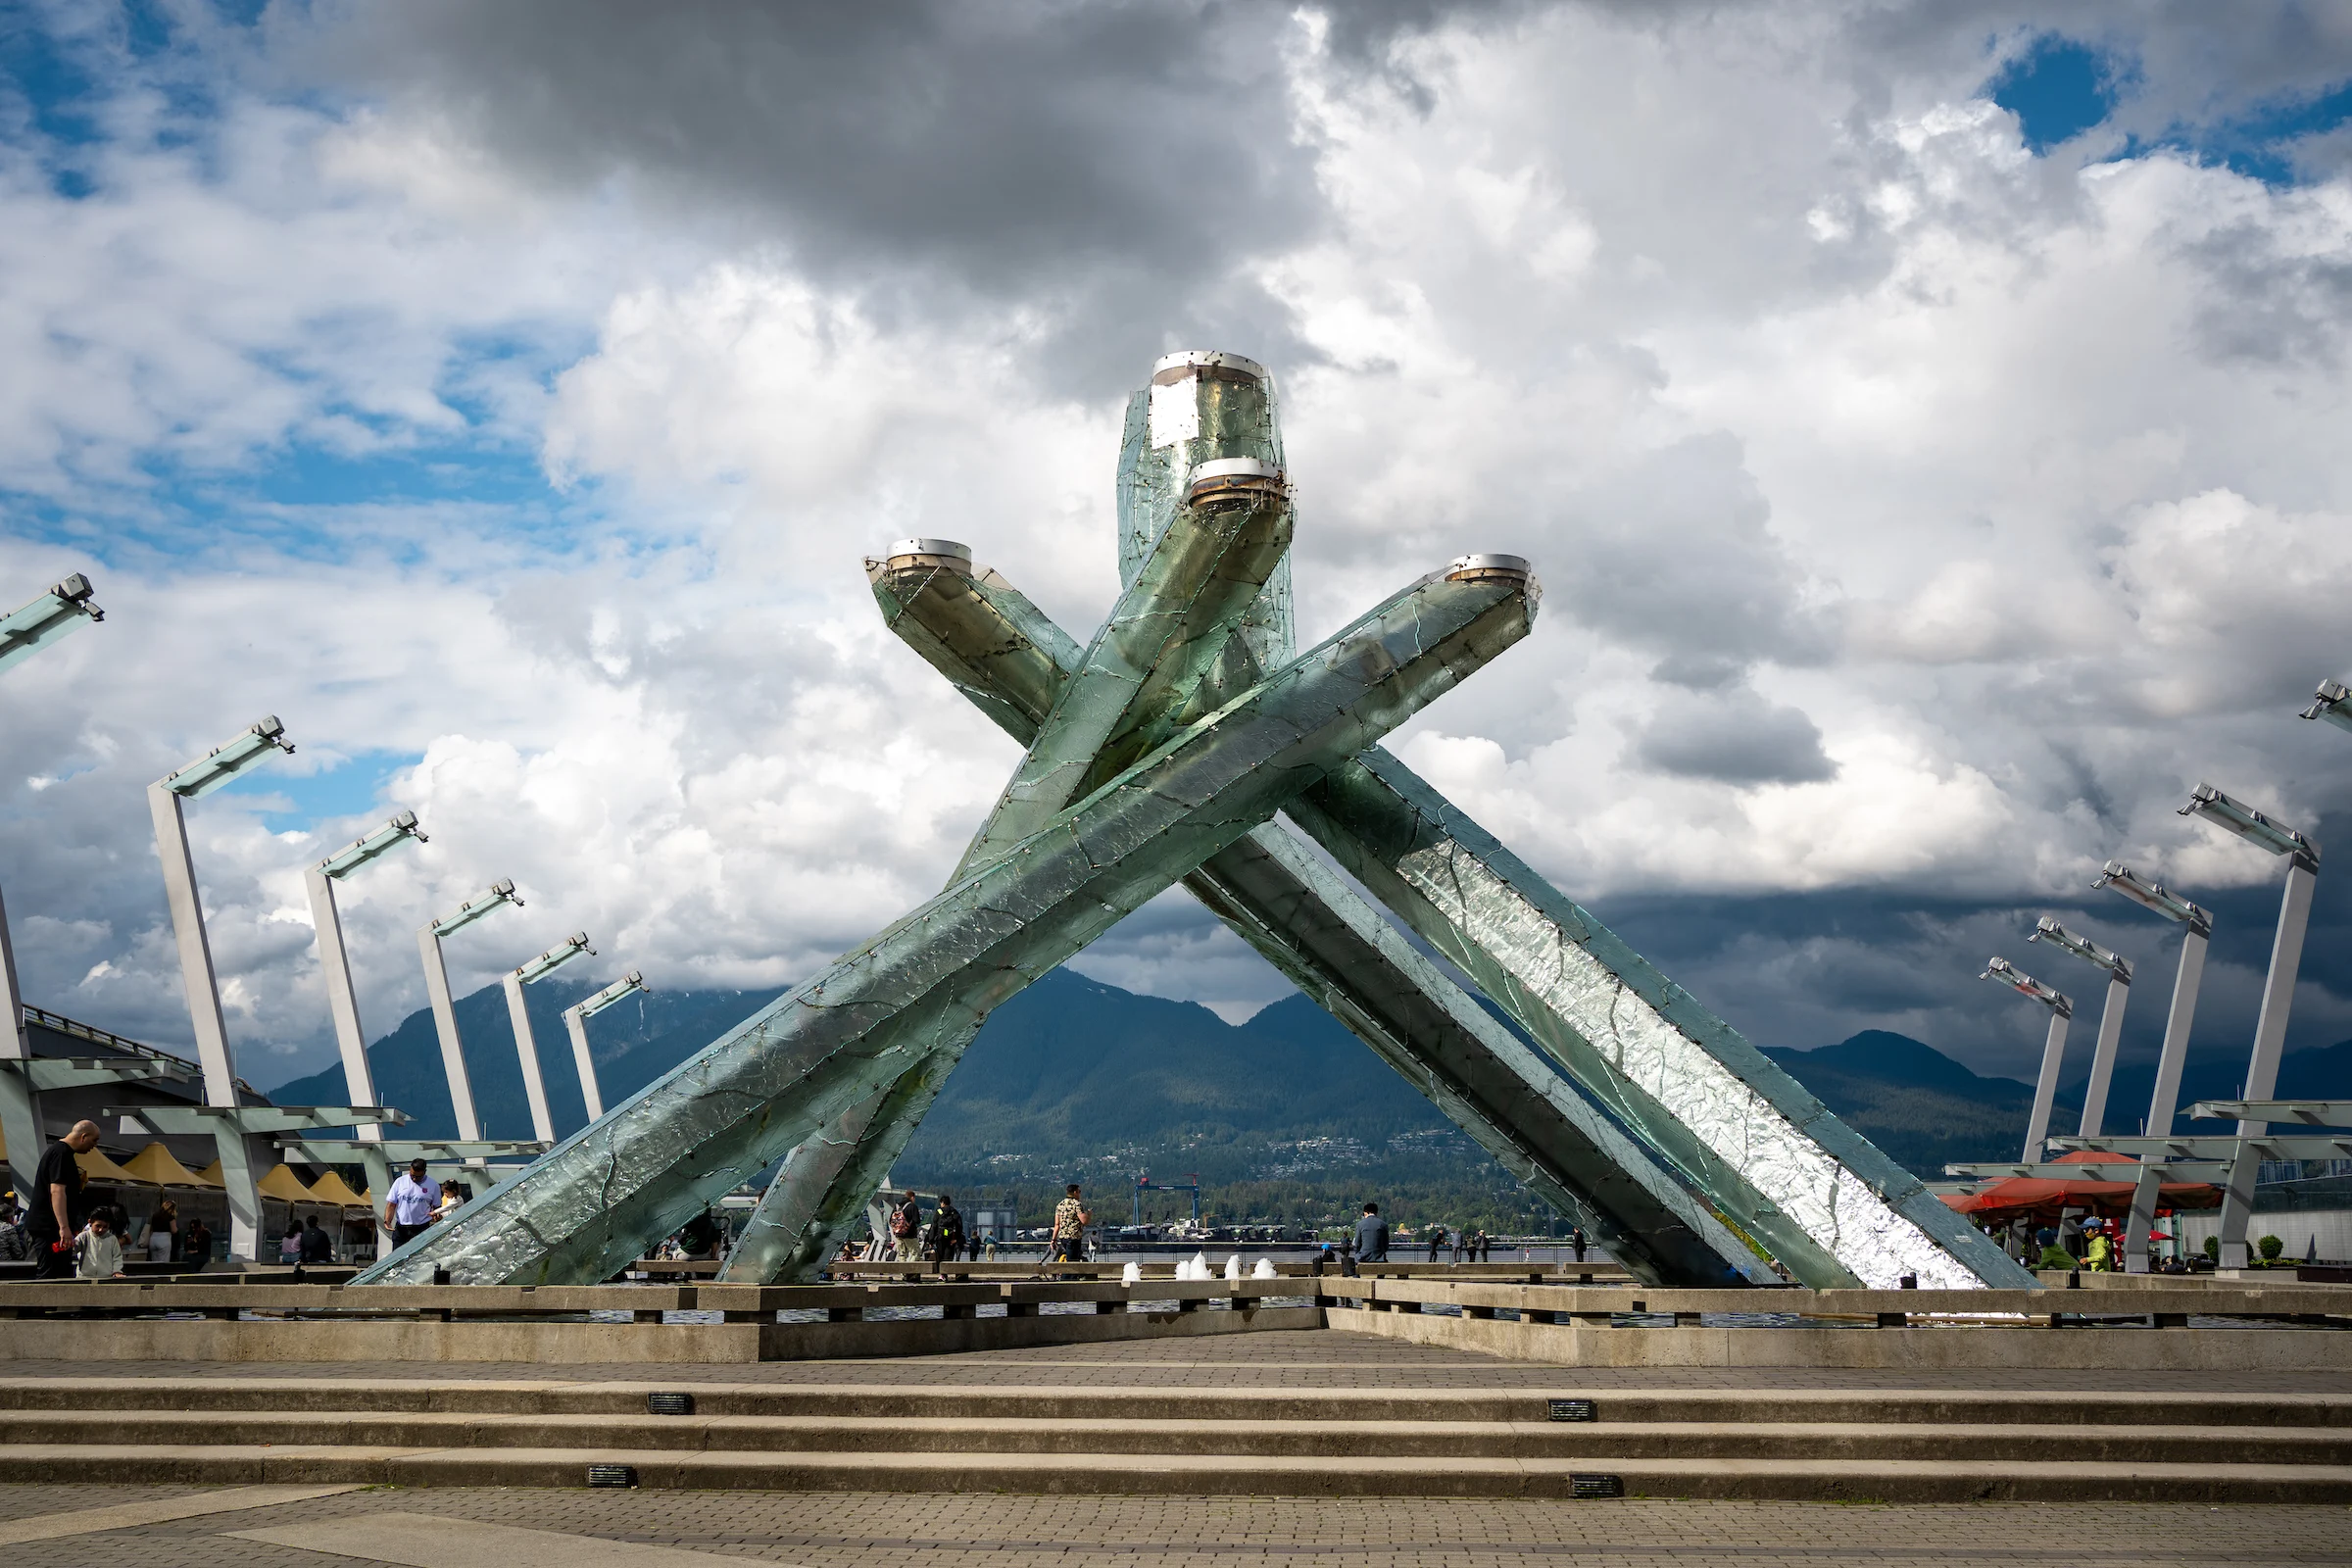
[2046, 1197]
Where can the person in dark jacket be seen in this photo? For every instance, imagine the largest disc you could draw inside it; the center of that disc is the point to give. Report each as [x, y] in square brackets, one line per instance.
[316, 1246]
[946, 1234]
[1372, 1237]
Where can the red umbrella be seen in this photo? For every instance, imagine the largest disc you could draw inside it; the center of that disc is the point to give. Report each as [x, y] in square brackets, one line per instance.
[2046, 1197]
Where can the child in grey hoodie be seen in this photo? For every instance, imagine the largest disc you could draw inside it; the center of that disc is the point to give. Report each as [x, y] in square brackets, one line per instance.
[98, 1251]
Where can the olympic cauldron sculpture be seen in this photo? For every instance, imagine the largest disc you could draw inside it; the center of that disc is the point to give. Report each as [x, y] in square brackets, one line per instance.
[1161, 751]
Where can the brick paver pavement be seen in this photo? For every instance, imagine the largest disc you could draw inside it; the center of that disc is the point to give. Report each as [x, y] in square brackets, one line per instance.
[872, 1529]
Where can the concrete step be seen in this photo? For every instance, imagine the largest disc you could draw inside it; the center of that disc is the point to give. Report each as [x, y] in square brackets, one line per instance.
[1401, 1440]
[1822, 1479]
[552, 1396]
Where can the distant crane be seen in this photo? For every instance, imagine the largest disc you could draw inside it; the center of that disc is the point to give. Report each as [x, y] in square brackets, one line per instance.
[1144, 1183]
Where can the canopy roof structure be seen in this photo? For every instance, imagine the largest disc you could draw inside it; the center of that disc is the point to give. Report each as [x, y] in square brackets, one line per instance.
[331, 1188]
[155, 1163]
[2047, 1198]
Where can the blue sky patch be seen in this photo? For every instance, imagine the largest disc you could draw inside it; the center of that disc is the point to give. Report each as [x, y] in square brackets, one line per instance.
[2057, 89]
[353, 787]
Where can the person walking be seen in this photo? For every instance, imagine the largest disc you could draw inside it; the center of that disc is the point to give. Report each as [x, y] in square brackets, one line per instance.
[1372, 1236]
[56, 1219]
[1070, 1220]
[1436, 1241]
[946, 1234]
[907, 1229]
[408, 1205]
[1576, 1240]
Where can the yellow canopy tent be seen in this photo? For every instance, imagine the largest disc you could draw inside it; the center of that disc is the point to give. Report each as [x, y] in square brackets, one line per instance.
[154, 1164]
[96, 1167]
[333, 1189]
[284, 1186]
[210, 1176]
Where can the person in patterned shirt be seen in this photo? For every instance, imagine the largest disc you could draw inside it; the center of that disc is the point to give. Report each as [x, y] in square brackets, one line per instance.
[1070, 1220]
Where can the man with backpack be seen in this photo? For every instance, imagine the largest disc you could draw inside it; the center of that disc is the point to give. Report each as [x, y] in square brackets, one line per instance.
[907, 1229]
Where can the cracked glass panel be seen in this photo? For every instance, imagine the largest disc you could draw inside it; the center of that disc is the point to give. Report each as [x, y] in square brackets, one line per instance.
[1670, 1069]
[917, 992]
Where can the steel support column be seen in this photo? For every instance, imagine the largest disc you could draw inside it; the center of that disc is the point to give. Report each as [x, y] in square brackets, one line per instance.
[2270, 1039]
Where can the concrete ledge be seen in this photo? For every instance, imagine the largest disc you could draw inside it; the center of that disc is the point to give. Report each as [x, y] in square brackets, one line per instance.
[1989, 1348]
[581, 1344]
[378, 1340]
[807, 1342]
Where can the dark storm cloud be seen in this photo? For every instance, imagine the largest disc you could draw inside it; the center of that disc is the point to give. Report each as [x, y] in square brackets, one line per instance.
[1671, 554]
[1111, 163]
[1736, 738]
[1809, 969]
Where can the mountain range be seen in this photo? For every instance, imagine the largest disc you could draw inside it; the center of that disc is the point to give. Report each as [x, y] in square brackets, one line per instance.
[1285, 1113]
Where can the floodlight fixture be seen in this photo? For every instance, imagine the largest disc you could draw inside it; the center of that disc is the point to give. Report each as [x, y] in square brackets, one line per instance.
[618, 990]
[261, 739]
[2025, 985]
[2053, 1047]
[444, 1012]
[395, 832]
[518, 1016]
[576, 1024]
[2116, 964]
[2155, 897]
[500, 893]
[63, 609]
[2251, 825]
[563, 953]
[2334, 703]
[2278, 988]
[342, 998]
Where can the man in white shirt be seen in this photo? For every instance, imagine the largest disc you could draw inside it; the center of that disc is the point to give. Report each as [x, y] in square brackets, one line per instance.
[409, 1208]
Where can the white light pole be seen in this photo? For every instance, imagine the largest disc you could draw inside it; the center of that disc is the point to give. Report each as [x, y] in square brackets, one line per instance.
[2053, 1048]
[575, 1023]
[2170, 1059]
[2278, 988]
[534, 1087]
[52, 615]
[342, 1000]
[2110, 1013]
[444, 1012]
[240, 1153]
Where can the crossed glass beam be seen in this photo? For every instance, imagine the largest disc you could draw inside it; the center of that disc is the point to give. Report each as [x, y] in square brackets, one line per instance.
[1158, 753]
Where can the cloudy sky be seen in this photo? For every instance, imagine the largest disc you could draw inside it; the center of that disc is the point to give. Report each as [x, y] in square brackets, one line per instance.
[1928, 421]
